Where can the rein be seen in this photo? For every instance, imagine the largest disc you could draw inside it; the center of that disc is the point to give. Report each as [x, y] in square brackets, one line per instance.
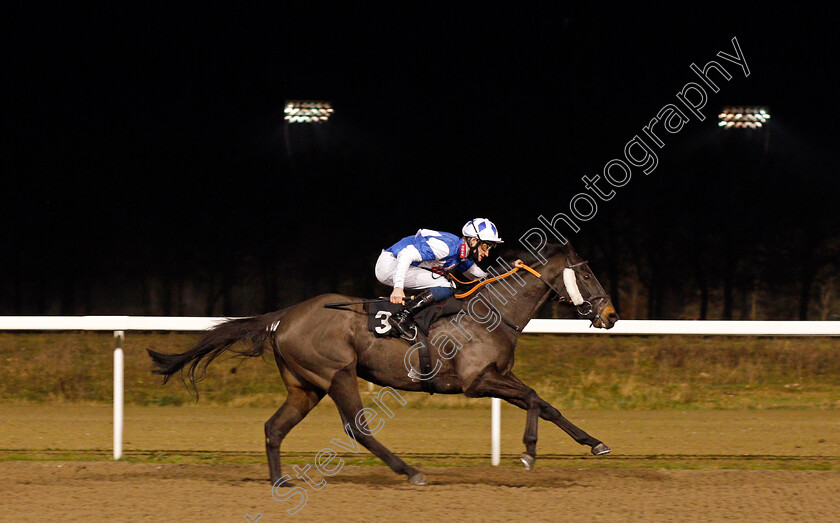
[494, 279]
[505, 320]
[583, 307]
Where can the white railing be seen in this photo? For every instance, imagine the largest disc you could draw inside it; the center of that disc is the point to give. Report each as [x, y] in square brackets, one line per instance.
[537, 326]
[120, 324]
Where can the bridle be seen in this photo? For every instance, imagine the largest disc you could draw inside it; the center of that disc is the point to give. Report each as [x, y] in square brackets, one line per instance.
[583, 306]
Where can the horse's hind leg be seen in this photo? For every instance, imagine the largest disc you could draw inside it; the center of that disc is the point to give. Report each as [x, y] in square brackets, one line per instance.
[344, 390]
[301, 399]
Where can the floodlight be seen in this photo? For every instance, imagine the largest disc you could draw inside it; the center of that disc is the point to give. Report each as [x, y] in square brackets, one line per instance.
[743, 117]
[307, 111]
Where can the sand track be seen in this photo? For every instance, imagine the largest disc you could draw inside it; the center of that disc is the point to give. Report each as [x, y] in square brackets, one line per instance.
[100, 491]
[207, 464]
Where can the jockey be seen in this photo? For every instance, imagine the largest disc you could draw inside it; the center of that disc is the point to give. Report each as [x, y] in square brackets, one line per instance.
[419, 261]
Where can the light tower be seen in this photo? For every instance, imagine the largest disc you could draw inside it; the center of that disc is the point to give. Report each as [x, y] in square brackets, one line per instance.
[305, 112]
[745, 164]
[743, 117]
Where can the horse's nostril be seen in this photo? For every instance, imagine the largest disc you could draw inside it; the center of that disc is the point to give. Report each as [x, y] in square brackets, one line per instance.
[613, 317]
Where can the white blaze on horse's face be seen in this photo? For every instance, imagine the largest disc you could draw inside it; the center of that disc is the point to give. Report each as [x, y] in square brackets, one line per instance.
[570, 280]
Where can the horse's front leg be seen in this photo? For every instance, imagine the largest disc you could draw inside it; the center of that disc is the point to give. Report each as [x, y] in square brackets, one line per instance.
[493, 384]
[508, 387]
[532, 419]
[549, 413]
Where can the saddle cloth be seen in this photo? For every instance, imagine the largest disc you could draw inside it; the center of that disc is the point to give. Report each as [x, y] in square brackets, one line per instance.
[379, 312]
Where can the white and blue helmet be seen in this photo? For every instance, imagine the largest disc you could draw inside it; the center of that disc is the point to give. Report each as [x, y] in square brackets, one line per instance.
[483, 229]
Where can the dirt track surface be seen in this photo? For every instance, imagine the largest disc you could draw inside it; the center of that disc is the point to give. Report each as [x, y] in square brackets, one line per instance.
[208, 464]
[102, 491]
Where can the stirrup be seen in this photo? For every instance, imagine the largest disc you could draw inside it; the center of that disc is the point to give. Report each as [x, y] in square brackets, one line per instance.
[414, 376]
[404, 333]
[403, 323]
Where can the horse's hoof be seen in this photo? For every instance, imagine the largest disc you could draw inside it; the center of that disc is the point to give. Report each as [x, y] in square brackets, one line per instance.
[600, 449]
[418, 479]
[528, 461]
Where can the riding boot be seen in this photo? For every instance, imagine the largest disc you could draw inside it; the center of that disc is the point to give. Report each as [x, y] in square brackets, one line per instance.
[403, 321]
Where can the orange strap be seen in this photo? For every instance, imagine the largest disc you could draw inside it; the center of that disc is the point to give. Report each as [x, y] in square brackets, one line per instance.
[491, 280]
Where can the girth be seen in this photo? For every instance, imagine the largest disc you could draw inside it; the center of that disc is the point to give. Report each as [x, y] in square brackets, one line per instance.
[425, 356]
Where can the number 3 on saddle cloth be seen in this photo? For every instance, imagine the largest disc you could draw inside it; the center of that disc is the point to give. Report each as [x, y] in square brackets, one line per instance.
[379, 312]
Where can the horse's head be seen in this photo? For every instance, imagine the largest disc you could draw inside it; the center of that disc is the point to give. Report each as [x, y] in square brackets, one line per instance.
[577, 286]
[584, 292]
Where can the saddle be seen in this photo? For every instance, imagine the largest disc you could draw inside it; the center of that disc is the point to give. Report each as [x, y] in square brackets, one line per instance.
[379, 312]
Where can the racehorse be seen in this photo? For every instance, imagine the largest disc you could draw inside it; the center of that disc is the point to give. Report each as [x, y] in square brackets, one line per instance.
[321, 351]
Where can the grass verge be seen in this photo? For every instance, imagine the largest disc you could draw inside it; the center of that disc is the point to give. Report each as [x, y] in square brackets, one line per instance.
[581, 372]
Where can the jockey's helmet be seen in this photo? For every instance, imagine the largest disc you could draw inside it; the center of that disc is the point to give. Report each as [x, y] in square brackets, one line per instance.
[483, 229]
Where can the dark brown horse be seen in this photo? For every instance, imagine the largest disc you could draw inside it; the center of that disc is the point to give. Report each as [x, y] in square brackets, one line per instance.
[321, 351]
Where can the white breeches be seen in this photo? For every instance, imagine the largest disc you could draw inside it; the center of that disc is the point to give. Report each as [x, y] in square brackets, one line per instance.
[415, 277]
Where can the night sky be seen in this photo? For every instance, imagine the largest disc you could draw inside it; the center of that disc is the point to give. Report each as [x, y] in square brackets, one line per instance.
[137, 139]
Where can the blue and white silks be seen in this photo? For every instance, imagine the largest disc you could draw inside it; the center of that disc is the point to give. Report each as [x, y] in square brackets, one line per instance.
[401, 265]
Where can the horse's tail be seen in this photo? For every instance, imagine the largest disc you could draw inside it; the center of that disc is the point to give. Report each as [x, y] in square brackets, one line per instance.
[257, 330]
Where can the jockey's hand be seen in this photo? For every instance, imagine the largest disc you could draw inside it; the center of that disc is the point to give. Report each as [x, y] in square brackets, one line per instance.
[398, 296]
[518, 264]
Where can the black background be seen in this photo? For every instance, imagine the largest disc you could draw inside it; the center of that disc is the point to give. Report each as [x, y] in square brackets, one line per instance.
[144, 149]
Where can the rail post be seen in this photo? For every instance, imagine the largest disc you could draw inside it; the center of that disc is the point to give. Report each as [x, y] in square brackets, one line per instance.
[119, 339]
[495, 431]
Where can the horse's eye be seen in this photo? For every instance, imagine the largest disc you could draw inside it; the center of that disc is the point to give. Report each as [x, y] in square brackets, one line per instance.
[585, 276]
